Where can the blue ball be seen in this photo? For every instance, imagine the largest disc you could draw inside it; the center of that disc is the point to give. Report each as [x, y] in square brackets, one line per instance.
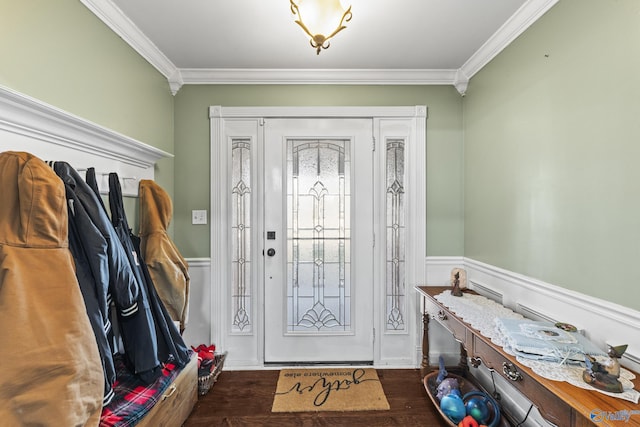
[453, 407]
[477, 407]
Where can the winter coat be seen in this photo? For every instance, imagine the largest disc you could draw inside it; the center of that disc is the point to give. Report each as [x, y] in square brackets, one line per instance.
[123, 288]
[89, 249]
[50, 367]
[169, 345]
[168, 269]
[130, 303]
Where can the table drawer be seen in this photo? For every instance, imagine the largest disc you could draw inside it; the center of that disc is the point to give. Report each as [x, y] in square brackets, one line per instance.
[552, 408]
[453, 325]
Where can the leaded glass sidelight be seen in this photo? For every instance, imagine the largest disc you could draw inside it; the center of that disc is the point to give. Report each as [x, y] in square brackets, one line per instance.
[395, 234]
[241, 234]
[318, 236]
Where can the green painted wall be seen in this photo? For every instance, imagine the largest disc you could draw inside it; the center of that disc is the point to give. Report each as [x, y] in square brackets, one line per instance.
[62, 54]
[444, 149]
[551, 149]
[550, 129]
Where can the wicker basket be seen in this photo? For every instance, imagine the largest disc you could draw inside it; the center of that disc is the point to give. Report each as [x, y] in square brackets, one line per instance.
[466, 385]
[205, 382]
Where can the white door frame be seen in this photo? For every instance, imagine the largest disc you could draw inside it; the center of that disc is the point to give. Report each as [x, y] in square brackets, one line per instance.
[392, 348]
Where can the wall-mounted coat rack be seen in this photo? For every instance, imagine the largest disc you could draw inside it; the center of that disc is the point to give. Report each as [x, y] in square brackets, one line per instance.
[27, 124]
[128, 184]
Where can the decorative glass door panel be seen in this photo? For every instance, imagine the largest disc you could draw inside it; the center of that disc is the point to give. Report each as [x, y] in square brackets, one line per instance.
[241, 235]
[395, 219]
[318, 209]
[318, 236]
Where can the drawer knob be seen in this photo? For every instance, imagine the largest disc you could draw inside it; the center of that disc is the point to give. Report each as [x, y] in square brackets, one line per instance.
[442, 315]
[511, 372]
[475, 361]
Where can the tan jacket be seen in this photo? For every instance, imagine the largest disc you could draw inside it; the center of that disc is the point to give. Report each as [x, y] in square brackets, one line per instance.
[168, 269]
[50, 368]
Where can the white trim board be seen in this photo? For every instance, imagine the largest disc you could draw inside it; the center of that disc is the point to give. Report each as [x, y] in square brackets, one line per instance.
[28, 124]
[603, 322]
[217, 111]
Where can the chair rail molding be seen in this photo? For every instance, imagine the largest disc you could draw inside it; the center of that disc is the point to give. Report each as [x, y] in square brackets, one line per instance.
[603, 322]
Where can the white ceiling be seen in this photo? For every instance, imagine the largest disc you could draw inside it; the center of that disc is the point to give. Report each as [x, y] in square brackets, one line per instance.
[257, 41]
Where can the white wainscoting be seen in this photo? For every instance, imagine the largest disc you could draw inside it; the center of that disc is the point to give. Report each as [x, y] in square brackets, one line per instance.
[603, 322]
[441, 342]
[198, 329]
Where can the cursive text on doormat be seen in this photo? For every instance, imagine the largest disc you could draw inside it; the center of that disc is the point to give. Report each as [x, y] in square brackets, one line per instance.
[329, 389]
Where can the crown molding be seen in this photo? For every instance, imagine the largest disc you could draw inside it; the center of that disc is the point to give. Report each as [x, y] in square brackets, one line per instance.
[120, 23]
[524, 17]
[115, 19]
[317, 76]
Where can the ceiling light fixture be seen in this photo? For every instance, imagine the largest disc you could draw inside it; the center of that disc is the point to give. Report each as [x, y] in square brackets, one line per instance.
[320, 17]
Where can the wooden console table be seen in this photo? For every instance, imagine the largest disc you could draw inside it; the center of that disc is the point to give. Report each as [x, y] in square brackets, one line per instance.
[559, 402]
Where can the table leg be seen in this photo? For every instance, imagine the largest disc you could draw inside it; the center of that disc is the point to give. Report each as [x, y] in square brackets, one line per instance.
[463, 364]
[425, 368]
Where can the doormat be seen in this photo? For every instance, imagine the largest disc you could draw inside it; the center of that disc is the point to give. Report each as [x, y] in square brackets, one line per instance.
[330, 389]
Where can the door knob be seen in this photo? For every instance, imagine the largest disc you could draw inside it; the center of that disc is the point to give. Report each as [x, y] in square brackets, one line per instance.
[271, 252]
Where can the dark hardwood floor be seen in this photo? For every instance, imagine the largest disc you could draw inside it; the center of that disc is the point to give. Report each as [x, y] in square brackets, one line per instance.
[244, 398]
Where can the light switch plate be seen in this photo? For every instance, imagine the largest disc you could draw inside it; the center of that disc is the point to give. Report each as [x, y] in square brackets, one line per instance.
[199, 216]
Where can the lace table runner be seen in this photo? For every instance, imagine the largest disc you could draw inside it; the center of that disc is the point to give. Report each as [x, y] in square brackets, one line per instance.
[572, 374]
[481, 312]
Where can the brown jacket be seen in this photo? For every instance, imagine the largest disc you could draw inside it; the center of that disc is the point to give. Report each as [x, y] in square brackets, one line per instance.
[50, 368]
[168, 269]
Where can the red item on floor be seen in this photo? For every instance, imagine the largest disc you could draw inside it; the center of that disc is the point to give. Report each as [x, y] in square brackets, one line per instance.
[206, 355]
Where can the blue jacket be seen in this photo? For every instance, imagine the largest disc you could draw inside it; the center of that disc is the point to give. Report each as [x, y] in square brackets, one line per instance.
[169, 345]
[89, 249]
[117, 277]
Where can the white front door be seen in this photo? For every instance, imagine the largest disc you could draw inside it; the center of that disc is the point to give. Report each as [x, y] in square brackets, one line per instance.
[318, 247]
[310, 184]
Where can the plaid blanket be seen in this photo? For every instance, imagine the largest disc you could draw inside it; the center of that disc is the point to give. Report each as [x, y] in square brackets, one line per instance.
[133, 399]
